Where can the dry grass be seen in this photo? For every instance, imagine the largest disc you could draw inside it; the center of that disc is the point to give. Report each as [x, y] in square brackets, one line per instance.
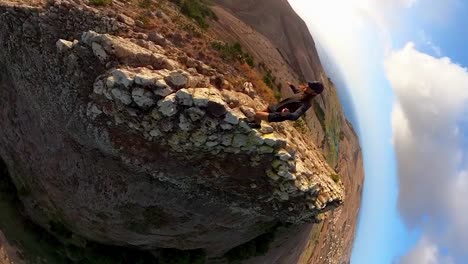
[260, 87]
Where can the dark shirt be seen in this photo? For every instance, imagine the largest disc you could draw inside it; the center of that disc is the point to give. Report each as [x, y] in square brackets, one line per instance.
[297, 105]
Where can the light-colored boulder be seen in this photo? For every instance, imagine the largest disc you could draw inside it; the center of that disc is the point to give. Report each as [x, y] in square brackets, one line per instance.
[63, 45]
[168, 105]
[122, 95]
[184, 97]
[143, 98]
[123, 77]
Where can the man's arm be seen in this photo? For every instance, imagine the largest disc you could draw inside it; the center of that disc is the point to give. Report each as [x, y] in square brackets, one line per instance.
[294, 88]
[296, 114]
[286, 115]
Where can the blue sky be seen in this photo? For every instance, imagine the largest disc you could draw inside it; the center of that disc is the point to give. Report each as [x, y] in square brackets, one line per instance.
[402, 64]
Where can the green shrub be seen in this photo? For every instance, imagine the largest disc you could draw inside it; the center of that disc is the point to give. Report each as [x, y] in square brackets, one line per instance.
[335, 178]
[145, 3]
[100, 2]
[197, 10]
[268, 79]
[319, 113]
[300, 125]
[233, 52]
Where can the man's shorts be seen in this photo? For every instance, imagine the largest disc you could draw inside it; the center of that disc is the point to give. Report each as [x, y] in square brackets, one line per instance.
[274, 116]
[272, 108]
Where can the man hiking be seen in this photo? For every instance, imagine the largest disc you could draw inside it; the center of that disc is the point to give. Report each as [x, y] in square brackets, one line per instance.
[290, 108]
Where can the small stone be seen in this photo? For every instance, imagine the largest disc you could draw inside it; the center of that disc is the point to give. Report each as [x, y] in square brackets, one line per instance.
[290, 176]
[266, 129]
[155, 133]
[176, 80]
[253, 185]
[107, 93]
[283, 155]
[216, 108]
[198, 138]
[143, 98]
[226, 140]
[162, 89]
[211, 144]
[184, 123]
[123, 77]
[139, 24]
[155, 114]
[256, 139]
[146, 78]
[98, 87]
[213, 137]
[270, 141]
[225, 126]
[265, 150]
[157, 38]
[93, 111]
[282, 171]
[184, 97]
[248, 89]
[245, 127]
[209, 124]
[272, 175]
[99, 52]
[195, 113]
[231, 119]
[63, 45]
[126, 20]
[192, 70]
[110, 81]
[248, 112]
[166, 125]
[171, 65]
[239, 140]
[283, 196]
[218, 81]
[162, 15]
[276, 163]
[168, 106]
[122, 95]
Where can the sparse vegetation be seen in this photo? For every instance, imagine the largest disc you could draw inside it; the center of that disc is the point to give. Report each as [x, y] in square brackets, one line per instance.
[145, 3]
[319, 113]
[197, 10]
[269, 79]
[335, 178]
[233, 52]
[260, 87]
[100, 2]
[300, 125]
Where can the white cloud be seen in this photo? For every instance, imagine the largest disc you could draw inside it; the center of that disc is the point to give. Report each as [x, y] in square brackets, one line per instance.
[426, 252]
[426, 40]
[432, 95]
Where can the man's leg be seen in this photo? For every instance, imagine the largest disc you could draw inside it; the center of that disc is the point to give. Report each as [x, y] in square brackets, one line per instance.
[261, 116]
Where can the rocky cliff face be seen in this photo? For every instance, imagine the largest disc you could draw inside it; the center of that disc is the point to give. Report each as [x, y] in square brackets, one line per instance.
[125, 142]
[277, 21]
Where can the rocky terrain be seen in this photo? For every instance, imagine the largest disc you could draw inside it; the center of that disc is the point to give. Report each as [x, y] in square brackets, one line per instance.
[114, 134]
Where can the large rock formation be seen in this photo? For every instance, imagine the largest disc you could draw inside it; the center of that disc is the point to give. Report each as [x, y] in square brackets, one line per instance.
[124, 142]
